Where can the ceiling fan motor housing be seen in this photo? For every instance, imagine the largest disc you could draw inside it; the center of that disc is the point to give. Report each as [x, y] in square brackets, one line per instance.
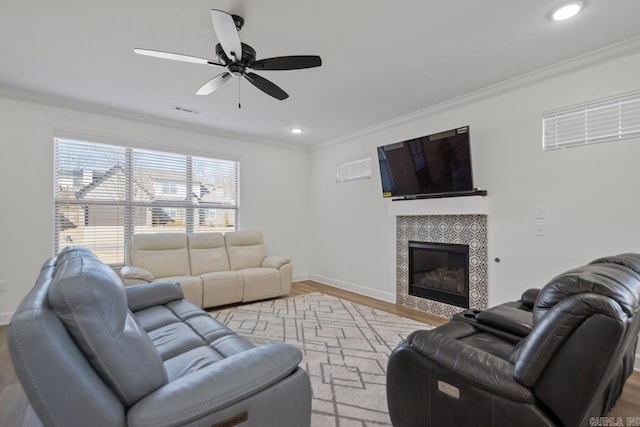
[248, 55]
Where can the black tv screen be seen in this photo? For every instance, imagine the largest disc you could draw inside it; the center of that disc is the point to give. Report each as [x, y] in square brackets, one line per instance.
[433, 164]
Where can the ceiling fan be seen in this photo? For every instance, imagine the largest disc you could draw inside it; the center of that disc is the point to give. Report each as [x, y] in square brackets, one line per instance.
[238, 58]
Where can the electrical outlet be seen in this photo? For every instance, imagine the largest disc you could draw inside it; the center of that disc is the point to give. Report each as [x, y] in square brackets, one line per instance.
[538, 212]
[538, 230]
[4, 285]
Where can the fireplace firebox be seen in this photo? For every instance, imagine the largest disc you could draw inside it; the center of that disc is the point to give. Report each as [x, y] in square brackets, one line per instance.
[440, 272]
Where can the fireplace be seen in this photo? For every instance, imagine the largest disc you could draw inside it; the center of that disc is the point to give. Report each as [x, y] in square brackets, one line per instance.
[439, 272]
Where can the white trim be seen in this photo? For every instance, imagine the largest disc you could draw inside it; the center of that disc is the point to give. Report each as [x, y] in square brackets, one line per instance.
[359, 289]
[300, 277]
[600, 56]
[636, 364]
[20, 94]
[619, 50]
[5, 318]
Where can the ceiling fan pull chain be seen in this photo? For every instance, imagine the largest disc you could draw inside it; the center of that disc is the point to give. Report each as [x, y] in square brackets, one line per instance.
[239, 104]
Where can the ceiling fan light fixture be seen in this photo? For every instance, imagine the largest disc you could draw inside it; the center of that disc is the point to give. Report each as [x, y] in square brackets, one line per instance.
[296, 131]
[567, 11]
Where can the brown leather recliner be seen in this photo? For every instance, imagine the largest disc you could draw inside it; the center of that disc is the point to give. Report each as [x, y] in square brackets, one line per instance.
[559, 363]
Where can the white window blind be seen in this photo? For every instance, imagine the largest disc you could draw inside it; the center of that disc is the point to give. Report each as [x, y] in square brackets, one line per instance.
[609, 119]
[353, 169]
[105, 193]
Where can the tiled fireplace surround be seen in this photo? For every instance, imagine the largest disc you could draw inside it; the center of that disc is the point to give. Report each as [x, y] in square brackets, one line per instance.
[461, 229]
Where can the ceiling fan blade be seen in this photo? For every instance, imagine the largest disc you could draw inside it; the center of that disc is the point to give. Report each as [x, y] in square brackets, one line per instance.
[266, 86]
[213, 84]
[227, 33]
[176, 57]
[296, 62]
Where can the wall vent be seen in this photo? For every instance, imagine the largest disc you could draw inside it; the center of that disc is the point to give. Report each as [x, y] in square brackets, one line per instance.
[187, 110]
[351, 170]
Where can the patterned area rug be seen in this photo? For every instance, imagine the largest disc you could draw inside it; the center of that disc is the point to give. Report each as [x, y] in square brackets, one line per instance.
[345, 346]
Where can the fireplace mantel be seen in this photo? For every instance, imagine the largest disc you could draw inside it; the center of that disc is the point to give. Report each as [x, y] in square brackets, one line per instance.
[468, 205]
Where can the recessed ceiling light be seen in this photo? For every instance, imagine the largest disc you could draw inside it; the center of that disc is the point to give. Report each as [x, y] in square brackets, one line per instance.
[566, 11]
[296, 130]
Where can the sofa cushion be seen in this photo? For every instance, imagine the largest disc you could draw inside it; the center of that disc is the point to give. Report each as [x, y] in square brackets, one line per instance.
[260, 283]
[89, 298]
[245, 249]
[163, 254]
[207, 253]
[175, 338]
[191, 361]
[221, 287]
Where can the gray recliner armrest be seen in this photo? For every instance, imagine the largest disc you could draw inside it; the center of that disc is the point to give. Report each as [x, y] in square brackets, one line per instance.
[215, 387]
[148, 295]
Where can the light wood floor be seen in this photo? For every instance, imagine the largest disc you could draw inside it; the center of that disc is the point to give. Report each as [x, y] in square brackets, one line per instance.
[15, 410]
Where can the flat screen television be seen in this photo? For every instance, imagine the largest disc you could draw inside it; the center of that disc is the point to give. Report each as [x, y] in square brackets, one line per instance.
[437, 164]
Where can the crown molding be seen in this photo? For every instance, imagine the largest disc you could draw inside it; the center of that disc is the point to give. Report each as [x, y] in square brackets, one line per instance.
[600, 56]
[21, 94]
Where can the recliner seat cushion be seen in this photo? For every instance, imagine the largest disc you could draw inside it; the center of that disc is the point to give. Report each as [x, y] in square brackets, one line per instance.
[90, 300]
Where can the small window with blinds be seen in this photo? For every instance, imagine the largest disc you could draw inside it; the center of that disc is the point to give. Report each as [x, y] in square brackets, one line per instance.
[605, 120]
[353, 170]
[104, 194]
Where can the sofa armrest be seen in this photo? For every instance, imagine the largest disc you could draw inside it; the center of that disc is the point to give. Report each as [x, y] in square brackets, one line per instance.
[148, 295]
[275, 261]
[480, 368]
[508, 319]
[216, 387]
[529, 297]
[535, 352]
[138, 273]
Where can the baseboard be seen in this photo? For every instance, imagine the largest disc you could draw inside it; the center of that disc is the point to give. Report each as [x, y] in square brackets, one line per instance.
[300, 277]
[636, 364]
[359, 289]
[5, 318]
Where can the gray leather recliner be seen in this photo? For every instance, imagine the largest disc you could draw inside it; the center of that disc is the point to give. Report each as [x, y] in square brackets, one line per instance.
[90, 352]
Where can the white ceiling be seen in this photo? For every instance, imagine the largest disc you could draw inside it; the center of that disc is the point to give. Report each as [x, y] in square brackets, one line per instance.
[381, 59]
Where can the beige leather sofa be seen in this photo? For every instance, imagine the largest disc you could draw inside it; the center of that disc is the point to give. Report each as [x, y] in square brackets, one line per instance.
[212, 268]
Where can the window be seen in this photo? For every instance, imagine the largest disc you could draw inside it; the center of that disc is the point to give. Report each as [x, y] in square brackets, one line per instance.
[609, 119]
[354, 169]
[106, 193]
[169, 188]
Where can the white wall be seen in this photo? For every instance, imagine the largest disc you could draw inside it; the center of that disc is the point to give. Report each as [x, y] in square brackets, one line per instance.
[590, 194]
[273, 185]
